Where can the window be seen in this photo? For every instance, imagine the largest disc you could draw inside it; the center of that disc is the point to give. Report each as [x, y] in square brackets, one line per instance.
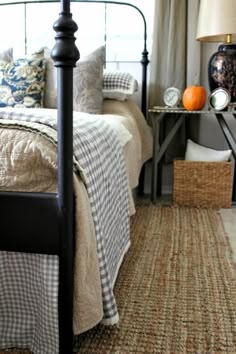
[121, 27]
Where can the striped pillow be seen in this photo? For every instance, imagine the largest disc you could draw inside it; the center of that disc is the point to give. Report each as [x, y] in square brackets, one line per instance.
[118, 85]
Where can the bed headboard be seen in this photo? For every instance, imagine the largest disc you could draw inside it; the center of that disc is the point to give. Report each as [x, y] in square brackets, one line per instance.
[143, 50]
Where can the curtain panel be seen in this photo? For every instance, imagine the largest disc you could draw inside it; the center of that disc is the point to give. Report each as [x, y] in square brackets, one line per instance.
[175, 56]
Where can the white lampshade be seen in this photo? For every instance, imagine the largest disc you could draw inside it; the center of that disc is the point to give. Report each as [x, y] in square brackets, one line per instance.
[216, 20]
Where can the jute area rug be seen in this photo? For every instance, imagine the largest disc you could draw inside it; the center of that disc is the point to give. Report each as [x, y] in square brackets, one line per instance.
[176, 290]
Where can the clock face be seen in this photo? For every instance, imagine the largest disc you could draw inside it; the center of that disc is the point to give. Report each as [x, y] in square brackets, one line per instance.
[219, 99]
[172, 97]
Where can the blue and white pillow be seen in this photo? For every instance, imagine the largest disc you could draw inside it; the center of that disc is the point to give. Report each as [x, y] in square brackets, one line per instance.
[22, 83]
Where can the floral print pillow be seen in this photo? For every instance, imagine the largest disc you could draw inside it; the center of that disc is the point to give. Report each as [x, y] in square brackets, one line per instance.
[22, 83]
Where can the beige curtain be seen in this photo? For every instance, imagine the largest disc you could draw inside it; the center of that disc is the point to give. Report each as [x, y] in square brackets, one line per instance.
[175, 56]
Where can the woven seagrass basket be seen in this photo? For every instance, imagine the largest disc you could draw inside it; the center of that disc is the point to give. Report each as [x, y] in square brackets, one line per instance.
[202, 184]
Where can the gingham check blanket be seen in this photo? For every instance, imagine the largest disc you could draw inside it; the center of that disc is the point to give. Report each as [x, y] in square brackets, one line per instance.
[119, 81]
[99, 160]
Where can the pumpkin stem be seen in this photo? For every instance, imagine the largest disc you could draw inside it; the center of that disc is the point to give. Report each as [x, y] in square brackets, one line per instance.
[196, 80]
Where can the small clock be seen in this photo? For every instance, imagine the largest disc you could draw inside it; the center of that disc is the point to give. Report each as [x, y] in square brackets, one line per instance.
[219, 99]
[172, 97]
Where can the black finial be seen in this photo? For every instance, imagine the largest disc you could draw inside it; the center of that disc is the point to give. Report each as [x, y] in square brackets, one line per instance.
[65, 52]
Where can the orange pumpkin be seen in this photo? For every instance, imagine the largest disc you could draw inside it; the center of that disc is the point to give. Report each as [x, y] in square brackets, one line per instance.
[194, 98]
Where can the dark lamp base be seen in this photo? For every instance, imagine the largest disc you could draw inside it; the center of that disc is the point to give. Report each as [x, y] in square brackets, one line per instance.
[222, 69]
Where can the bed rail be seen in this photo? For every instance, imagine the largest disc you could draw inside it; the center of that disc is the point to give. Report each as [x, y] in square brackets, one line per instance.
[20, 209]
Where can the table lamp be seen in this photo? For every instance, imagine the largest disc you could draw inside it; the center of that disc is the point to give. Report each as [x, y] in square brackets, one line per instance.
[217, 23]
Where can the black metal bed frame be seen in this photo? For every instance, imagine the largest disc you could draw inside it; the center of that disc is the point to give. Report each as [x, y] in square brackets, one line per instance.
[53, 213]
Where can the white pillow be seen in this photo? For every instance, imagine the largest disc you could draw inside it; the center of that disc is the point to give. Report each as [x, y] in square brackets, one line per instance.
[196, 152]
[7, 55]
[87, 81]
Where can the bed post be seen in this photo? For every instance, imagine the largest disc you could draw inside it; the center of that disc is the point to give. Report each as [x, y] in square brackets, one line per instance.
[144, 62]
[65, 54]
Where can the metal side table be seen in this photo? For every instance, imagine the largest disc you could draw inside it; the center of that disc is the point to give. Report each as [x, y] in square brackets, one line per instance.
[158, 114]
